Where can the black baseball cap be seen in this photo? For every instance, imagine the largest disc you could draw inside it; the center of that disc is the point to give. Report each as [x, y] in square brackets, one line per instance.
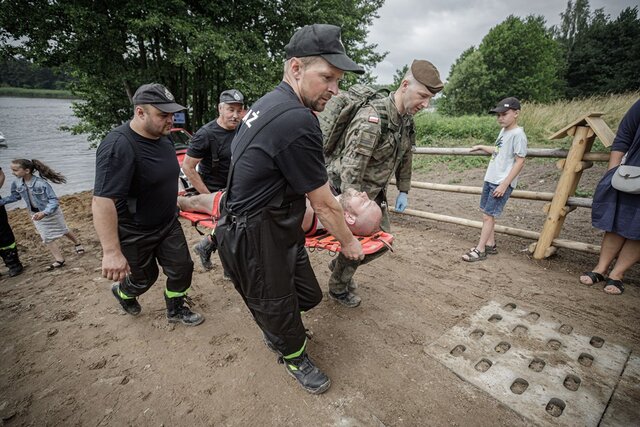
[321, 40]
[510, 103]
[232, 96]
[158, 96]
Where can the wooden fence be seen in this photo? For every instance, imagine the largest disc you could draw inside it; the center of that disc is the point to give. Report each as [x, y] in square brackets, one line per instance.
[561, 202]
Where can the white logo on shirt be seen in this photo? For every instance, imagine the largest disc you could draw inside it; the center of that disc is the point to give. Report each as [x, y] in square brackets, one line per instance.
[250, 117]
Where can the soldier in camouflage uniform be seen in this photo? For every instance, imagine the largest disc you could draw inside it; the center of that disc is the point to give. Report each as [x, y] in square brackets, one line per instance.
[377, 146]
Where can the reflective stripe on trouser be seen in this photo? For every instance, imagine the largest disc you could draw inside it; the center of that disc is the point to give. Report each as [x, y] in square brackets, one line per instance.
[269, 266]
[145, 249]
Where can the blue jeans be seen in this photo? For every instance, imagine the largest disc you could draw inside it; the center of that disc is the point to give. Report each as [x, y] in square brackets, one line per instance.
[491, 205]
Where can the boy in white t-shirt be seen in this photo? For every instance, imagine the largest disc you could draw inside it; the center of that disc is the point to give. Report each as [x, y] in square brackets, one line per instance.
[507, 160]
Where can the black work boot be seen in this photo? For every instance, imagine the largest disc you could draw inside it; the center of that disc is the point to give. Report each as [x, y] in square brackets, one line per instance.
[204, 249]
[178, 312]
[12, 261]
[130, 305]
[310, 377]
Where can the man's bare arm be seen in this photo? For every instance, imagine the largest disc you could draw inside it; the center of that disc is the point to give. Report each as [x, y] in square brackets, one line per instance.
[105, 221]
[331, 215]
[189, 168]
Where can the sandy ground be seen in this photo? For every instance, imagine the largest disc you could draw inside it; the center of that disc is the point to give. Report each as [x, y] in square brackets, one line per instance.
[70, 356]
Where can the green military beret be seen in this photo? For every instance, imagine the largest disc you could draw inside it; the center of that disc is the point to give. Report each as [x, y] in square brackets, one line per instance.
[427, 74]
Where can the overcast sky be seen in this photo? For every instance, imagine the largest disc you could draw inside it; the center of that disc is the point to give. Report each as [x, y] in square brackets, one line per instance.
[440, 30]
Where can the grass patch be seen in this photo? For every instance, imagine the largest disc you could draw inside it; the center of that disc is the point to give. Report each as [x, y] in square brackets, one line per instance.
[36, 93]
[584, 193]
[542, 120]
[539, 122]
[426, 163]
[436, 130]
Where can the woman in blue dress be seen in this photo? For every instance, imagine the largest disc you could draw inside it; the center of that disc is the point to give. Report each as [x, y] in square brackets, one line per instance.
[616, 212]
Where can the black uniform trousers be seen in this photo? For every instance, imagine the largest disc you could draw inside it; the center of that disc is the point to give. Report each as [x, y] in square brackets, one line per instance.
[144, 249]
[6, 234]
[264, 255]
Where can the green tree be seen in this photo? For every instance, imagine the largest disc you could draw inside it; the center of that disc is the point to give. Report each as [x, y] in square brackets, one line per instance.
[18, 72]
[575, 19]
[197, 48]
[398, 76]
[523, 60]
[465, 91]
[518, 57]
[605, 56]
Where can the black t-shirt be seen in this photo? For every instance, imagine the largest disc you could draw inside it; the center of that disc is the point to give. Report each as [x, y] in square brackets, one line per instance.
[209, 136]
[144, 177]
[285, 156]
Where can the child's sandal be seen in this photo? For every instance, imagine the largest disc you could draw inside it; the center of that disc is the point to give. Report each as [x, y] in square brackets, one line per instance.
[474, 255]
[79, 249]
[491, 250]
[56, 264]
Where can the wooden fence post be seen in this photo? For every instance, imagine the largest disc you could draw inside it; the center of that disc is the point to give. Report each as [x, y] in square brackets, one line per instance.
[584, 131]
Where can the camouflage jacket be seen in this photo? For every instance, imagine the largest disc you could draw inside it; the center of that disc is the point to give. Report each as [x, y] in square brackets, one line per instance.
[369, 158]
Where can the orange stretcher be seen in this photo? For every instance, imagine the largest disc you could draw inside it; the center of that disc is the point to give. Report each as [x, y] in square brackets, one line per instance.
[321, 241]
[370, 244]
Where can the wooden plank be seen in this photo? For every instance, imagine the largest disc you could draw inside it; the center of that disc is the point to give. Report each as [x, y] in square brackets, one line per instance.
[527, 234]
[565, 188]
[531, 152]
[581, 121]
[602, 130]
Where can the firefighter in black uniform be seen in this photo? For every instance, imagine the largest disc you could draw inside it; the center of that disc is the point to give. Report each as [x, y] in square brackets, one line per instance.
[210, 148]
[134, 207]
[276, 160]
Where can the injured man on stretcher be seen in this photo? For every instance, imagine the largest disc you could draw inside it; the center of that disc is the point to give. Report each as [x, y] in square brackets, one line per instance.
[362, 215]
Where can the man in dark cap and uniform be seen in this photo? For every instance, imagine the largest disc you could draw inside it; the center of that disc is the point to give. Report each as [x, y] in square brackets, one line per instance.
[378, 145]
[211, 149]
[134, 207]
[277, 159]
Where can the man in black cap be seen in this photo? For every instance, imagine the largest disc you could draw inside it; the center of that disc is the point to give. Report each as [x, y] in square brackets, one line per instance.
[377, 146]
[276, 160]
[211, 149]
[134, 207]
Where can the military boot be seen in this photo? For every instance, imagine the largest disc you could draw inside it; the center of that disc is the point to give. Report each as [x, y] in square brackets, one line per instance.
[310, 377]
[177, 311]
[12, 261]
[204, 249]
[347, 299]
[341, 283]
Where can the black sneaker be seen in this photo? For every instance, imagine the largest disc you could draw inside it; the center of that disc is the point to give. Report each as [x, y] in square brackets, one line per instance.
[225, 276]
[346, 298]
[177, 312]
[131, 305]
[307, 373]
[204, 253]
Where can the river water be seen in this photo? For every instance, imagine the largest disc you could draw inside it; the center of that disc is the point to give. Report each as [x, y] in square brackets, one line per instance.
[31, 128]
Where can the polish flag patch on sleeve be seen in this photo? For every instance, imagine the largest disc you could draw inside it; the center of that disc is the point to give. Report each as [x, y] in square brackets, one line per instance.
[374, 119]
